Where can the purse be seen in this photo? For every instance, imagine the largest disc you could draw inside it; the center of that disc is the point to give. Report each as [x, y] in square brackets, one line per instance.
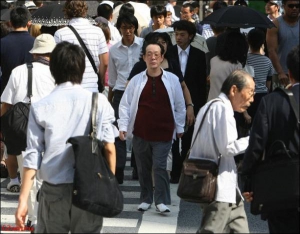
[14, 121]
[198, 179]
[275, 181]
[88, 54]
[95, 188]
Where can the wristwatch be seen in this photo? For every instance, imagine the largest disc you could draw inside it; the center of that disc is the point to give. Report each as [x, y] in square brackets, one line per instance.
[190, 104]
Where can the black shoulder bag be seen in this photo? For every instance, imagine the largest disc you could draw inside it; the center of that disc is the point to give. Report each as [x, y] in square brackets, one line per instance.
[14, 121]
[95, 188]
[88, 54]
[275, 181]
[198, 180]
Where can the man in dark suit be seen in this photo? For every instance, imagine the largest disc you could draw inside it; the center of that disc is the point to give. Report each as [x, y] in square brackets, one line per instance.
[193, 67]
[275, 120]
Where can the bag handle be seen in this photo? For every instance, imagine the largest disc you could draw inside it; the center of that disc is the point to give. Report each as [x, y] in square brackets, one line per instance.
[29, 91]
[94, 123]
[87, 52]
[200, 126]
[293, 103]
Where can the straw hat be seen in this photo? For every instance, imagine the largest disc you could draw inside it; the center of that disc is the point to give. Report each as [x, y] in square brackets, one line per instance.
[43, 44]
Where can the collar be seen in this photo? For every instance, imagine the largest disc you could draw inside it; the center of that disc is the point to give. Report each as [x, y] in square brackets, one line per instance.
[295, 84]
[187, 50]
[137, 41]
[80, 20]
[67, 85]
[226, 101]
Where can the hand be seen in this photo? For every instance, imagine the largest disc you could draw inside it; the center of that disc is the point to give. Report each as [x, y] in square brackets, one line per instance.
[283, 79]
[179, 135]
[247, 117]
[248, 196]
[122, 135]
[21, 214]
[190, 117]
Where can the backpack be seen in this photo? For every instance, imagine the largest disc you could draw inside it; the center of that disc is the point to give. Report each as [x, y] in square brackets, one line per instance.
[14, 121]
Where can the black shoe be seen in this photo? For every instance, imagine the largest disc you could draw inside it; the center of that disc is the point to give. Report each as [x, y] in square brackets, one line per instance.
[119, 175]
[135, 174]
[174, 180]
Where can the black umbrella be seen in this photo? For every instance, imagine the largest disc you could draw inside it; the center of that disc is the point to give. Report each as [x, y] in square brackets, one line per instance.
[50, 15]
[5, 14]
[238, 17]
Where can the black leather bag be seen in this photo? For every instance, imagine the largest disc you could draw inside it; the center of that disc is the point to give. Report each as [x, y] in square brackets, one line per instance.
[198, 179]
[275, 181]
[14, 122]
[95, 188]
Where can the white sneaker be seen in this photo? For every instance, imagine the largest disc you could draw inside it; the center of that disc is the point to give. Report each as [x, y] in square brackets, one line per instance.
[162, 208]
[13, 187]
[144, 206]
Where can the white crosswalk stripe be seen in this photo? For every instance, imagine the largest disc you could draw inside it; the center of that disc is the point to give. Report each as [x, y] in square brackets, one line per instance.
[129, 221]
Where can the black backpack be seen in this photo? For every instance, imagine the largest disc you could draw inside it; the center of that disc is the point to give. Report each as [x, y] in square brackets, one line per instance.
[14, 121]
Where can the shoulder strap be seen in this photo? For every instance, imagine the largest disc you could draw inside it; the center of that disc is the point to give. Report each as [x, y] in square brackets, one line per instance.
[293, 103]
[94, 123]
[202, 121]
[29, 92]
[84, 48]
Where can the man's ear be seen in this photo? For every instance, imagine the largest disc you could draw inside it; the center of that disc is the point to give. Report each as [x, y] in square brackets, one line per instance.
[29, 24]
[233, 90]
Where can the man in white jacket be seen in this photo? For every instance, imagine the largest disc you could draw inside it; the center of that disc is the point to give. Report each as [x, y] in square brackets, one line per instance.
[152, 109]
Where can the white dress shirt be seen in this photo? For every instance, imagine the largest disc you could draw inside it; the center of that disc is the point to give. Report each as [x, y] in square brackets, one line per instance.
[130, 101]
[183, 57]
[95, 42]
[121, 61]
[17, 86]
[53, 120]
[170, 7]
[114, 33]
[218, 135]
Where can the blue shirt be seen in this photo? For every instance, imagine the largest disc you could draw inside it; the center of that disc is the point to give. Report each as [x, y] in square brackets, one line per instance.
[15, 49]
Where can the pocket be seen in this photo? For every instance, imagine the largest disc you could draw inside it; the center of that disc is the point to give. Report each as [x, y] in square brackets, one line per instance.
[55, 207]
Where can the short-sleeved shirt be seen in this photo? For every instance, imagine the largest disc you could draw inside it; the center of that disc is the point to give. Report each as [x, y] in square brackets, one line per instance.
[14, 51]
[94, 40]
[262, 69]
[141, 66]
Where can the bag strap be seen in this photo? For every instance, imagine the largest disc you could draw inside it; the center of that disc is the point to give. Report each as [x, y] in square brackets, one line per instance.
[87, 52]
[94, 122]
[200, 126]
[293, 103]
[29, 91]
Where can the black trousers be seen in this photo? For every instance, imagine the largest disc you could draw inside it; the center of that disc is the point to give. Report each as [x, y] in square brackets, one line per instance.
[286, 221]
[178, 157]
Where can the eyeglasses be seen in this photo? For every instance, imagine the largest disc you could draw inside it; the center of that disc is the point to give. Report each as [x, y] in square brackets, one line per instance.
[130, 28]
[293, 5]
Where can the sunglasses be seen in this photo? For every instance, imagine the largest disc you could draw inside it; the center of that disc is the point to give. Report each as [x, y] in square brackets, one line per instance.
[293, 5]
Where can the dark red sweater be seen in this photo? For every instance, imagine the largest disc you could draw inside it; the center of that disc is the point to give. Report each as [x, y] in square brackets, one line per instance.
[154, 119]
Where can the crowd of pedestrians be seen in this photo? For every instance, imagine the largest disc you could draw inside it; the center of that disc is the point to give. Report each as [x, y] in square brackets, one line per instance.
[156, 94]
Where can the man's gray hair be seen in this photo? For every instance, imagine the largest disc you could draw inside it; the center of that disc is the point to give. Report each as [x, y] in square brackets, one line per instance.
[237, 78]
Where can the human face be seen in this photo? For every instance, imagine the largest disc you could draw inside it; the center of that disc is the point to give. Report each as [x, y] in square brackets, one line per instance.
[153, 57]
[186, 13]
[241, 100]
[271, 8]
[182, 38]
[168, 20]
[127, 31]
[162, 42]
[158, 20]
[291, 9]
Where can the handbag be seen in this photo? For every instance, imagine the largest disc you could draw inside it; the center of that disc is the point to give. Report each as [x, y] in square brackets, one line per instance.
[14, 121]
[198, 179]
[275, 180]
[88, 54]
[95, 188]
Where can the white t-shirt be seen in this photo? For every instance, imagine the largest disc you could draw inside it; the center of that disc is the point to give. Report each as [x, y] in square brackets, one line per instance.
[17, 86]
